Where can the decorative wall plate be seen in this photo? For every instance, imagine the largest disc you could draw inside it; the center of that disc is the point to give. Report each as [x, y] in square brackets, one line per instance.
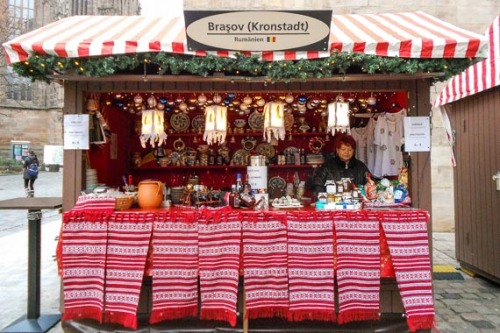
[277, 182]
[256, 121]
[180, 122]
[316, 144]
[239, 157]
[249, 143]
[240, 123]
[179, 145]
[265, 149]
[198, 122]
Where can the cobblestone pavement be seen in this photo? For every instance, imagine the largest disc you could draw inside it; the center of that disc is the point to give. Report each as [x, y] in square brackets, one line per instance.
[462, 306]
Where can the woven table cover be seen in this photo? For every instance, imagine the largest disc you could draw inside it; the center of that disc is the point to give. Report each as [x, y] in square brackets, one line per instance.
[219, 238]
[128, 243]
[265, 265]
[408, 242]
[175, 266]
[311, 266]
[358, 265]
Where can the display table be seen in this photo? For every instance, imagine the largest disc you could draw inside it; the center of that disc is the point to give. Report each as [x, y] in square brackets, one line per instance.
[294, 265]
[33, 321]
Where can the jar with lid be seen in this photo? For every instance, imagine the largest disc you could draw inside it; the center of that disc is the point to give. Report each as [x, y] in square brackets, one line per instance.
[331, 187]
[323, 197]
[340, 186]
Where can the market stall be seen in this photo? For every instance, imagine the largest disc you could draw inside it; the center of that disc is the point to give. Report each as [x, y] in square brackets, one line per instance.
[469, 106]
[149, 121]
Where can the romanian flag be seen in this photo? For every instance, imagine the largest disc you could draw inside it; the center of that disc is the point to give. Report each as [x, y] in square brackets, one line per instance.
[271, 39]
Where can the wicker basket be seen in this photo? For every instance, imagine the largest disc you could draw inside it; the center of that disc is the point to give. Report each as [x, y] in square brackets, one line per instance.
[124, 202]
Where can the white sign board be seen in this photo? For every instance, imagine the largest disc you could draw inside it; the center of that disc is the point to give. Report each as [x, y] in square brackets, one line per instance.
[259, 30]
[76, 131]
[417, 134]
[53, 154]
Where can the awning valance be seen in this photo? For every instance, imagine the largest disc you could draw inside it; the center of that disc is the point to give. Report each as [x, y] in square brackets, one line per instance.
[479, 77]
[406, 35]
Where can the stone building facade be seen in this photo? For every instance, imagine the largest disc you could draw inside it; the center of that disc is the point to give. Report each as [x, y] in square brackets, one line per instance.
[41, 122]
[31, 113]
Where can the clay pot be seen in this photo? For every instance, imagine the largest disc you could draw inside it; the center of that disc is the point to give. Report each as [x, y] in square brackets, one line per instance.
[150, 194]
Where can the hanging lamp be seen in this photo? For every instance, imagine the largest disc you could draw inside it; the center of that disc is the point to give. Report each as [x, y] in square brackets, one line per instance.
[338, 117]
[215, 124]
[274, 121]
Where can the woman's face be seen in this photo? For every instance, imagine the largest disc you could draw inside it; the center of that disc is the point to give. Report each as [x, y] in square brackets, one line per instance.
[345, 152]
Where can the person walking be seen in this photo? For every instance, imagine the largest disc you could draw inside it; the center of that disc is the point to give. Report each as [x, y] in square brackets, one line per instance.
[30, 174]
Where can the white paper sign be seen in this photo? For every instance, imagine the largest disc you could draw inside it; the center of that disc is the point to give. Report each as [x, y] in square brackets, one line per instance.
[417, 134]
[76, 131]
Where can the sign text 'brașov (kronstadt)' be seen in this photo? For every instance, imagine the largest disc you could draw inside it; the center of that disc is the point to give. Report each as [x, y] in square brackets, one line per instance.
[258, 30]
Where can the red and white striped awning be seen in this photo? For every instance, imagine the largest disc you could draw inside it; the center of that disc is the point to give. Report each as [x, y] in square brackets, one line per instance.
[480, 76]
[407, 35]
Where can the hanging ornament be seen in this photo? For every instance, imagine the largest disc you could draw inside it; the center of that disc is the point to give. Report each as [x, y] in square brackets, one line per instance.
[289, 99]
[202, 99]
[247, 100]
[138, 99]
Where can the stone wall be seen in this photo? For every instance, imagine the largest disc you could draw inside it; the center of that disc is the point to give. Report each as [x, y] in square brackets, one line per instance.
[40, 127]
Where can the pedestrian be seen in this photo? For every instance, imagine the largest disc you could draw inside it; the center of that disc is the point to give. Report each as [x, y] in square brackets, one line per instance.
[30, 174]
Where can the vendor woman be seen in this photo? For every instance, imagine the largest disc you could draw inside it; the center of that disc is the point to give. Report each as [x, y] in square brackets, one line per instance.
[342, 165]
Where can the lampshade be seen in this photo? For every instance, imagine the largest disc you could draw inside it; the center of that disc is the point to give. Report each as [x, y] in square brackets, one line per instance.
[274, 121]
[338, 117]
[152, 129]
[215, 124]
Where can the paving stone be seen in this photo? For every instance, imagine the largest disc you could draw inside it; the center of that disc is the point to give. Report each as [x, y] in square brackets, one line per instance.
[451, 296]
[482, 324]
[470, 296]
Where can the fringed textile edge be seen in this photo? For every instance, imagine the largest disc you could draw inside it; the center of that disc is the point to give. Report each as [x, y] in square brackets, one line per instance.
[267, 312]
[127, 320]
[83, 312]
[311, 314]
[357, 315]
[218, 314]
[171, 314]
[416, 323]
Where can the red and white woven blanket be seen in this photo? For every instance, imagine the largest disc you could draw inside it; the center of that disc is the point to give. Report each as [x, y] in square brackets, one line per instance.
[265, 265]
[407, 237]
[219, 238]
[310, 266]
[83, 257]
[128, 243]
[358, 265]
[175, 266]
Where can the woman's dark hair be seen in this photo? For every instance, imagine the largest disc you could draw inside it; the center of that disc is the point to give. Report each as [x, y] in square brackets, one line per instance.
[346, 139]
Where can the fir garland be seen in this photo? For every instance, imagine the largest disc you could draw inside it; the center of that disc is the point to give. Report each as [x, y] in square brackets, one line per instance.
[41, 68]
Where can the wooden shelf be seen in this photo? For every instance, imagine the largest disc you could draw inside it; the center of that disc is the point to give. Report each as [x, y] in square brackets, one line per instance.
[220, 167]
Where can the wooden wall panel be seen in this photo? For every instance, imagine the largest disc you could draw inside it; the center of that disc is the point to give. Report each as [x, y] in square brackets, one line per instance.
[477, 203]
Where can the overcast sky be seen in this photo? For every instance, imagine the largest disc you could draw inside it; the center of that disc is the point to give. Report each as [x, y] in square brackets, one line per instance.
[158, 8]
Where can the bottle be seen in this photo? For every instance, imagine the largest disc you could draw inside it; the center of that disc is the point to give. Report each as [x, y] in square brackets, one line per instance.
[247, 184]
[239, 183]
[302, 157]
[234, 198]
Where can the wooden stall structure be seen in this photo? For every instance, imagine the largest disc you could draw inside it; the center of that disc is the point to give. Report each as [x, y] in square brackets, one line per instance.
[472, 102]
[379, 35]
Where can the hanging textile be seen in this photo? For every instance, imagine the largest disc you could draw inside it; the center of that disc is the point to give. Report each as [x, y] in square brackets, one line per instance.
[219, 238]
[175, 266]
[265, 265]
[128, 243]
[311, 266]
[408, 240]
[358, 266]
